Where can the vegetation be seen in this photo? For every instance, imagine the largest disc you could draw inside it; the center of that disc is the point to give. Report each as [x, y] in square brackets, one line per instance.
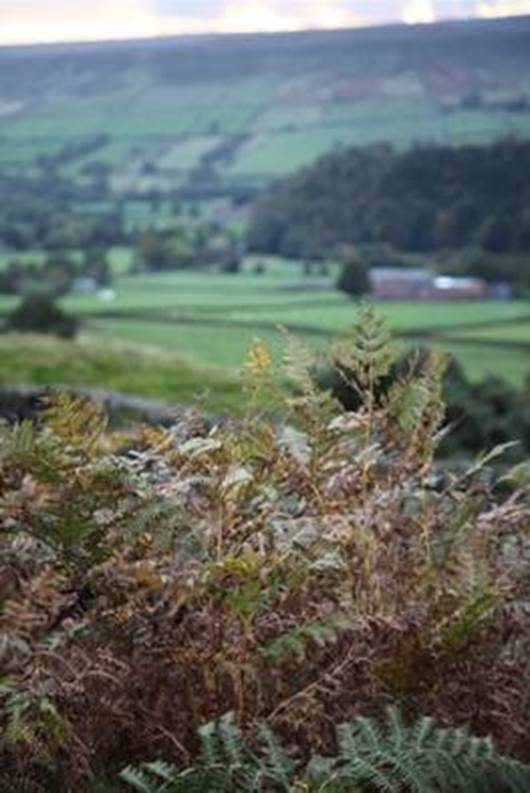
[182, 249]
[56, 274]
[430, 198]
[354, 279]
[226, 115]
[420, 759]
[94, 186]
[209, 317]
[42, 361]
[187, 333]
[38, 313]
[481, 415]
[298, 575]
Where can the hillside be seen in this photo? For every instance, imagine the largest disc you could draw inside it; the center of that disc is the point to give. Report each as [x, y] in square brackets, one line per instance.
[239, 110]
[429, 200]
[28, 360]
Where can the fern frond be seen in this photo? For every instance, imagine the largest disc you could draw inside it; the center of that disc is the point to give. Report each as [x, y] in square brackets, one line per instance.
[423, 758]
[295, 642]
[139, 779]
[365, 355]
[230, 741]
[298, 361]
[390, 757]
[278, 764]
[79, 422]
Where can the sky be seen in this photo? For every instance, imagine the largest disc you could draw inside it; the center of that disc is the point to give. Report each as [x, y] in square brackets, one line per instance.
[33, 21]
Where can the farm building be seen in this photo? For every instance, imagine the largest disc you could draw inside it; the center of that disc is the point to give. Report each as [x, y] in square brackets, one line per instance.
[85, 283]
[454, 287]
[394, 283]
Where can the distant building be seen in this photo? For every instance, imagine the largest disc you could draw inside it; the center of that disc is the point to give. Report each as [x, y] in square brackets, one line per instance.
[107, 295]
[396, 283]
[84, 284]
[500, 290]
[452, 287]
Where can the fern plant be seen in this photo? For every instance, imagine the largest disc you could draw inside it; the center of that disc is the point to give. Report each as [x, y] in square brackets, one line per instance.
[226, 765]
[288, 574]
[422, 758]
[392, 758]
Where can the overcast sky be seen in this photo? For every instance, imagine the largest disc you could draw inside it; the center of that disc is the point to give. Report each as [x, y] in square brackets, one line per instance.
[24, 21]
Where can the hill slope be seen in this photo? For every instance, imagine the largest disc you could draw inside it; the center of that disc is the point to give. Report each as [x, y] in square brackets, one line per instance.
[431, 198]
[247, 108]
[41, 361]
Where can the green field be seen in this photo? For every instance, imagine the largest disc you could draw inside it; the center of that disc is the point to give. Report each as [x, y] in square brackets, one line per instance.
[44, 361]
[178, 335]
[211, 318]
[253, 109]
[513, 332]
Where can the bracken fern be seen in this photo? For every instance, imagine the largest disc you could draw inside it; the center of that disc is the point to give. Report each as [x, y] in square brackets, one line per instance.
[391, 758]
[296, 569]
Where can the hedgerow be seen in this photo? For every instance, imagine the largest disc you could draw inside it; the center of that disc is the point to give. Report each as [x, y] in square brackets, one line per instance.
[298, 573]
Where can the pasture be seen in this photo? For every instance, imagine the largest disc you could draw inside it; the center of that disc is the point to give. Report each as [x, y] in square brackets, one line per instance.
[210, 318]
[256, 109]
[137, 370]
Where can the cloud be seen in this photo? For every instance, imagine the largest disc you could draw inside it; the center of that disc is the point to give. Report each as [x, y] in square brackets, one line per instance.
[88, 20]
[67, 20]
[62, 20]
[503, 8]
[272, 15]
[418, 11]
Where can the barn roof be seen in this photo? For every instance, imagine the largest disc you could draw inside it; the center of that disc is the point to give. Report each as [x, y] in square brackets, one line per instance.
[405, 275]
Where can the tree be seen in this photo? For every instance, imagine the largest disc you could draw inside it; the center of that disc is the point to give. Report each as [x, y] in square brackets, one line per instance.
[38, 313]
[12, 277]
[97, 266]
[58, 273]
[495, 234]
[231, 264]
[422, 199]
[354, 279]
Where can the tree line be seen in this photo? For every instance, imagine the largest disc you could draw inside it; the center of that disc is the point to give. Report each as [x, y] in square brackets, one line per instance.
[472, 200]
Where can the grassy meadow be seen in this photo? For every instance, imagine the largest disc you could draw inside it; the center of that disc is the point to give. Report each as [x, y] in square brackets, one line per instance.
[256, 112]
[176, 335]
[231, 113]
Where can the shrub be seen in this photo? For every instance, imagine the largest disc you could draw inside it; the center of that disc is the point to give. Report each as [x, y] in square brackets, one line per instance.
[353, 279]
[481, 415]
[298, 574]
[38, 313]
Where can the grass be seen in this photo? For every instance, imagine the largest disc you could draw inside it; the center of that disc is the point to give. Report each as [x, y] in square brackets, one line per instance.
[212, 291]
[227, 346]
[514, 332]
[209, 319]
[296, 99]
[276, 153]
[187, 153]
[41, 360]
[114, 153]
[401, 315]
[478, 361]
[142, 215]
[120, 258]
[212, 318]
[220, 346]
[35, 257]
